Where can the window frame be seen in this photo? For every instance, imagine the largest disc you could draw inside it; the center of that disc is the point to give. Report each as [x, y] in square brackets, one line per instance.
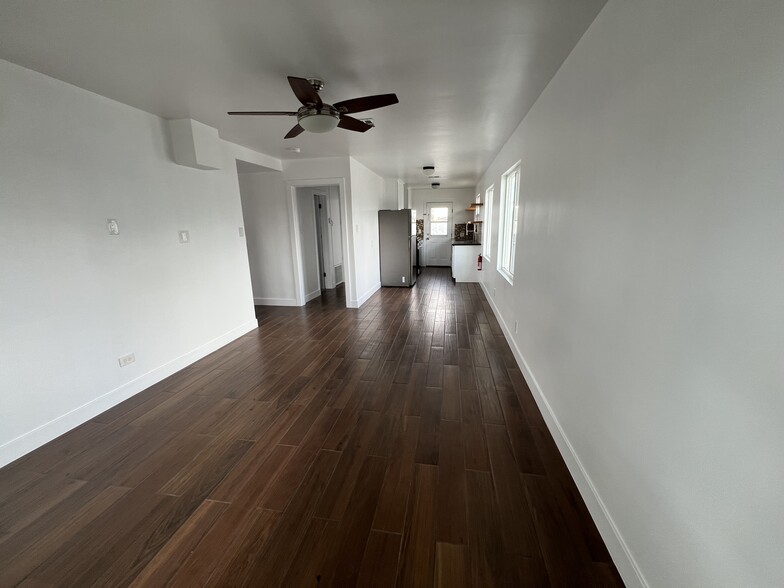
[445, 222]
[487, 228]
[508, 222]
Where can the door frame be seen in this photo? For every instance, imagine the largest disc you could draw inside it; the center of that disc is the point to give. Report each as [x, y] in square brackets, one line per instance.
[323, 242]
[450, 227]
[348, 258]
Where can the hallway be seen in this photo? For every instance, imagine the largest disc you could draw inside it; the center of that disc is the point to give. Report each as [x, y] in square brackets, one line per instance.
[393, 444]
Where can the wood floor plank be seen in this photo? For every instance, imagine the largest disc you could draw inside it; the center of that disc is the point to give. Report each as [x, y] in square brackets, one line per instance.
[380, 560]
[450, 409]
[429, 427]
[173, 554]
[564, 554]
[347, 547]
[207, 468]
[391, 508]
[488, 397]
[451, 514]
[452, 570]
[24, 508]
[237, 530]
[22, 555]
[485, 543]
[308, 565]
[273, 560]
[516, 522]
[394, 444]
[68, 445]
[249, 483]
[417, 566]
[104, 550]
[337, 495]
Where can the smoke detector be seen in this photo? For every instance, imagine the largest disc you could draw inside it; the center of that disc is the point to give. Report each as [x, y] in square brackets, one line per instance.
[428, 170]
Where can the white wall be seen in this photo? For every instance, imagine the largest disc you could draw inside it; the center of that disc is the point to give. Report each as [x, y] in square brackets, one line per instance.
[73, 298]
[336, 227]
[366, 199]
[394, 194]
[359, 224]
[268, 235]
[649, 282]
[459, 197]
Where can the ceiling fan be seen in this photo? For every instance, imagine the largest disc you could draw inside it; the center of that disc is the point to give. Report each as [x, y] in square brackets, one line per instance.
[317, 117]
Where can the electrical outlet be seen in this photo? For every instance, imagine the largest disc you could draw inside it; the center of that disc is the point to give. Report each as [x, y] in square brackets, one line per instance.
[127, 359]
[242, 231]
[113, 226]
[515, 327]
[493, 291]
[403, 279]
[185, 236]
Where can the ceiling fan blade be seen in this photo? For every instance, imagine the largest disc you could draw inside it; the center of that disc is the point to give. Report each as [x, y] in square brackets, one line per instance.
[295, 130]
[263, 113]
[304, 91]
[353, 124]
[366, 103]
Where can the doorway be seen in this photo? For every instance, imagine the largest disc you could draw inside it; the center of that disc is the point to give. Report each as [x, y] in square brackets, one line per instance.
[438, 233]
[319, 239]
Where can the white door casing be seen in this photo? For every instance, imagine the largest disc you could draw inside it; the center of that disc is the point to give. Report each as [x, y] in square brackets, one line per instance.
[438, 233]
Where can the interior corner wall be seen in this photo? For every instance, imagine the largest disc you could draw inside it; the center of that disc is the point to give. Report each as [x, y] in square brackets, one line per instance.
[268, 233]
[366, 199]
[648, 283]
[74, 298]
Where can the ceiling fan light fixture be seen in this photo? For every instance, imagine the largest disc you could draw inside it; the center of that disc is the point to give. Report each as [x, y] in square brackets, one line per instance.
[318, 122]
[428, 170]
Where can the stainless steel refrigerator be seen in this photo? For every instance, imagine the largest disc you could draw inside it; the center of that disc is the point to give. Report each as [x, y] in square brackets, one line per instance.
[397, 247]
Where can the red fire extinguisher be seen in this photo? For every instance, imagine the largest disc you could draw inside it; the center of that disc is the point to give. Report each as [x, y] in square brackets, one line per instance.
[479, 263]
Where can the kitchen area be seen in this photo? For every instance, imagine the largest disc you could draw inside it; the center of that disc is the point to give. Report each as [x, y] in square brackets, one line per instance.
[467, 245]
[446, 229]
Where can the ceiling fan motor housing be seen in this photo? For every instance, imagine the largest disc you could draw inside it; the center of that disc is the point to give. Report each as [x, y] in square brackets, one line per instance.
[318, 120]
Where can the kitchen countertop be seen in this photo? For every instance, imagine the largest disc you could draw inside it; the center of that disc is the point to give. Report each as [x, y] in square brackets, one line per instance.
[466, 243]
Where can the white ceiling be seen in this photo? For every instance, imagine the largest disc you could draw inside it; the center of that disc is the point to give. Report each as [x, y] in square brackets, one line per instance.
[465, 71]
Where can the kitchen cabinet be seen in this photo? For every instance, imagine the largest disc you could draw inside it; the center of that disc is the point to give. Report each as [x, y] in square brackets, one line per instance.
[464, 257]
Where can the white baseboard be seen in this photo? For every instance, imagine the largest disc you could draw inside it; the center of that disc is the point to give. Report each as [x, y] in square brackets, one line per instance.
[619, 550]
[312, 295]
[364, 298]
[275, 301]
[27, 442]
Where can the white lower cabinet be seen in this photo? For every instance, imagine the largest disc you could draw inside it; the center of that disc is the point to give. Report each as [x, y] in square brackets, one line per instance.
[464, 262]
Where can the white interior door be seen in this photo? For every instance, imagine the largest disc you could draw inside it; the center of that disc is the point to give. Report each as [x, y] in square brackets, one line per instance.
[438, 233]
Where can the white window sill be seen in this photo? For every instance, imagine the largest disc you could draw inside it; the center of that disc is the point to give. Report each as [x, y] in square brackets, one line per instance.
[507, 276]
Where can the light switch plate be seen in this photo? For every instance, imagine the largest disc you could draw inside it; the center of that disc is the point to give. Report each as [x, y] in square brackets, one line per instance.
[242, 231]
[185, 237]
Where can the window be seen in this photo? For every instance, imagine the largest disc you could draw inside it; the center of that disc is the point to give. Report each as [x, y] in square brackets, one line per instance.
[507, 235]
[487, 229]
[439, 221]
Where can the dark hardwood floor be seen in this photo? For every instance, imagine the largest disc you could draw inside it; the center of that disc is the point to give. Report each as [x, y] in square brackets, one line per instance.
[394, 444]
